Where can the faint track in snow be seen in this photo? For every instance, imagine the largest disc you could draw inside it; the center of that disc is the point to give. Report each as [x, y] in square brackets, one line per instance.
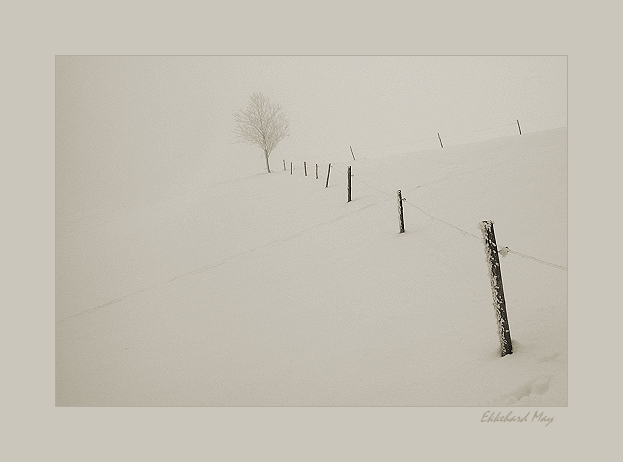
[455, 175]
[214, 265]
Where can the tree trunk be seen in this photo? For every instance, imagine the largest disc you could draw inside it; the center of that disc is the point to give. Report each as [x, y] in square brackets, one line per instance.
[266, 157]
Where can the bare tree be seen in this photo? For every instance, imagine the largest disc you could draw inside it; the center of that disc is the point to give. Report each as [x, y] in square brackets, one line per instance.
[262, 123]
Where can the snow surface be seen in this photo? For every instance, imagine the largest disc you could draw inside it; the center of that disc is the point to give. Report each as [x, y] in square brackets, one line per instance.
[272, 290]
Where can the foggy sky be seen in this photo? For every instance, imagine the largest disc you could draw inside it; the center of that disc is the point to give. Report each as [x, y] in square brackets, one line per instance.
[136, 127]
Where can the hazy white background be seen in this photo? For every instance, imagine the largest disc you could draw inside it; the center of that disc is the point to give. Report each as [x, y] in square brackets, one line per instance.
[133, 128]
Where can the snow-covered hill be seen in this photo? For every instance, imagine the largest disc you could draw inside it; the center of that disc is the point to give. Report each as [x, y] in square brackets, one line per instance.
[274, 290]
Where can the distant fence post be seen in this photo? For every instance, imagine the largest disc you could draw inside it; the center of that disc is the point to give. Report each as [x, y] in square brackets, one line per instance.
[519, 126]
[316, 171]
[284, 165]
[290, 168]
[305, 166]
[495, 275]
[351, 151]
[349, 185]
[401, 220]
[328, 173]
[440, 142]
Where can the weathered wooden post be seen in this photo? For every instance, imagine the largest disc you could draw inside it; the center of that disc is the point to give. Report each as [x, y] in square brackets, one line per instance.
[351, 151]
[328, 173]
[316, 171]
[290, 168]
[401, 220]
[519, 126]
[495, 275]
[439, 136]
[284, 165]
[349, 184]
[305, 166]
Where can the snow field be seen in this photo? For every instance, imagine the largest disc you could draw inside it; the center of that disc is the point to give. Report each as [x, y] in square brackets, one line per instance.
[272, 290]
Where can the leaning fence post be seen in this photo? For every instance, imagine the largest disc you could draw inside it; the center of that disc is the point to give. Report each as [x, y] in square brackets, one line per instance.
[519, 126]
[440, 142]
[328, 173]
[401, 220]
[305, 166]
[349, 184]
[495, 275]
[284, 165]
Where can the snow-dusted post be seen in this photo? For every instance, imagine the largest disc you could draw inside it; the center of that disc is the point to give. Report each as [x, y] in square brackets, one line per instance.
[290, 168]
[439, 136]
[519, 126]
[351, 151]
[495, 275]
[401, 220]
[305, 166]
[349, 185]
[328, 173]
[316, 171]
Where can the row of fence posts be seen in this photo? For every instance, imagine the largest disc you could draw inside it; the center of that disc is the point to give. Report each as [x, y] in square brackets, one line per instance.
[491, 252]
[305, 168]
[353, 154]
[441, 142]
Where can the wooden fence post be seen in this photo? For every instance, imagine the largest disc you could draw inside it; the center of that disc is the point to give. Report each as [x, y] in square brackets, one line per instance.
[351, 151]
[305, 166]
[495, 275]
[290, 168]
[284, 165]
[519, 126]
[316, 171]
[401, 220]
[439, 136]
[328, 173]
[349, 184]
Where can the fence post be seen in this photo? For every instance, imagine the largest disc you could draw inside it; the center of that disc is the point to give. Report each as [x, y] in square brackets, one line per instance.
[401, 220]
[351, 151]
[305, 166]
[290, 168]
[495, 275]
[519, 126]
[349, 184]
[440, 142]
[284, 165]
[328, 173]
[316, 171]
